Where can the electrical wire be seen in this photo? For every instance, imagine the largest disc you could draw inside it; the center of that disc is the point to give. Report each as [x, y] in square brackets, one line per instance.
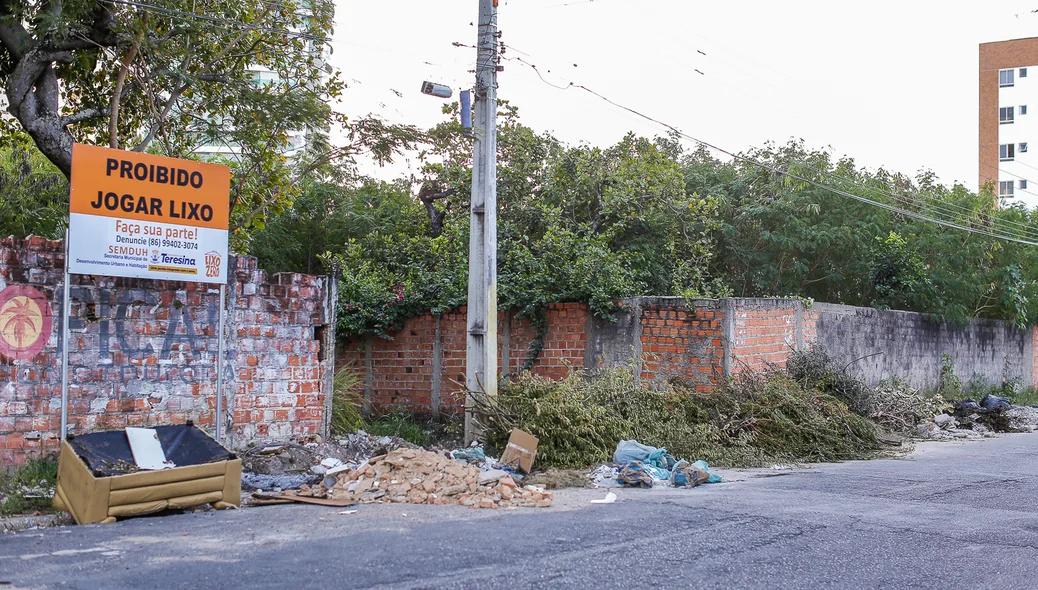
[809, 181]
[1013, 230]
[1024, 236]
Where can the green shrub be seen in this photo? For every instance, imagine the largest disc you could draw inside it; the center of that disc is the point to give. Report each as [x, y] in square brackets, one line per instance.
[750, 422]
[400, 424]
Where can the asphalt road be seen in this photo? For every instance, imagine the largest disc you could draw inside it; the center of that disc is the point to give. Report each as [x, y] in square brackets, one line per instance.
[951, 516]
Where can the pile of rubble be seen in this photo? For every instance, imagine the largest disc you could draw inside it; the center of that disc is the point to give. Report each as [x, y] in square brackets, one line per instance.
[417, 476]
[974, 420]
[946, 427]
[286, 465]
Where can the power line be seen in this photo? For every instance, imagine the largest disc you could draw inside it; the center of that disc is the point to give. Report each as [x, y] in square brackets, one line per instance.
[1022, 231]
[806, 180]
[1013, 230]
[1021, 237]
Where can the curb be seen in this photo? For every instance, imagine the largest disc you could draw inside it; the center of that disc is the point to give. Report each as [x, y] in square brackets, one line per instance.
[14, 524]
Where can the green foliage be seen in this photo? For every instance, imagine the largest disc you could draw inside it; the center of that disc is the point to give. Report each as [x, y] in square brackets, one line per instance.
[29, 487]
[899, 276]
[400, 424]
[248, 79]
[749, 422]
[1024, 396]
[781, 237]
[33, 193]
[575, 224]
[892, 405]
[347, 401]
[643, 217]
[948, 384]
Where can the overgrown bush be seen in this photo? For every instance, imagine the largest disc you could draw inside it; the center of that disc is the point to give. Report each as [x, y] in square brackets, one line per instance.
[750, 422]
[401, 424]
[892, 405]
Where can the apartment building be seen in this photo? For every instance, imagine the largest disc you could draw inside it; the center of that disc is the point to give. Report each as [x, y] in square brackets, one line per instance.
[1008, 119]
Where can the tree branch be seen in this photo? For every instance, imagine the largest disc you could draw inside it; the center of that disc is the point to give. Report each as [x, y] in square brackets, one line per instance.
[175, 95]
[120, 81]
[85, 115]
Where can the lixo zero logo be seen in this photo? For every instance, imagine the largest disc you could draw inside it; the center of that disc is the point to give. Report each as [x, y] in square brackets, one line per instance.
[25, 322]
[212, 264]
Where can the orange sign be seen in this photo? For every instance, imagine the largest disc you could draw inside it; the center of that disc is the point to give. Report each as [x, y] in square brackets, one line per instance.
[149, 217]
[143, 187]
[25, 322]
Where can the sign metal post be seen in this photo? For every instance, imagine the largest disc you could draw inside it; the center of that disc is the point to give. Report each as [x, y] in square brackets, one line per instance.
[149, 217]
[65, 300]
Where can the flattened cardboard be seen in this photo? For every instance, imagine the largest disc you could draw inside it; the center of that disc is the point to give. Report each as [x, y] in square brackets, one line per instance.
[146, 448]
[520, 451]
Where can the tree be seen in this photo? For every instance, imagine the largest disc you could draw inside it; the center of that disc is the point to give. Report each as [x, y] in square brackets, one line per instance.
[171, 78]
[34, 193]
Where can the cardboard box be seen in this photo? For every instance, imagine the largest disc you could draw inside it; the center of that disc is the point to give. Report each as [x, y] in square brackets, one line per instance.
[520, 451]
[91, 497]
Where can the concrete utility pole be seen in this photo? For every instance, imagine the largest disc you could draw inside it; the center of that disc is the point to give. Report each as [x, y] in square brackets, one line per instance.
[481, 349]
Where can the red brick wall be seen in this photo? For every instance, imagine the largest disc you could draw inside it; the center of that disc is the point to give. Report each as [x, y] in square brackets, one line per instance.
[144, 353]
[809, 326]
[681, 342]
[765, 331]
[402, 367]
[564, 341]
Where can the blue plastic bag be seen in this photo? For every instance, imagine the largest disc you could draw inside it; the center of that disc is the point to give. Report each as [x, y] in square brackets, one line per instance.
[714, 477]
[632, 450]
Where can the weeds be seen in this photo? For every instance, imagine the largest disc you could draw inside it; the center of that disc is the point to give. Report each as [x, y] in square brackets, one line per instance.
[347, 401]
[30, 487]
[400, 424]
[1027, 396]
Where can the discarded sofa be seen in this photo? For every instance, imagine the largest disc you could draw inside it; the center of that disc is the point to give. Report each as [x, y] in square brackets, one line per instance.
[98, 480]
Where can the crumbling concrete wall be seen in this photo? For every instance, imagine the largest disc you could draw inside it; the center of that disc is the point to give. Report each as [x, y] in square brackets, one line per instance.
[912, 346]
[144, 352]
[703, 342]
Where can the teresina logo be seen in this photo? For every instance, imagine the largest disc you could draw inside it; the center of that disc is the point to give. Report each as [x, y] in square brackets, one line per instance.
[167, 259]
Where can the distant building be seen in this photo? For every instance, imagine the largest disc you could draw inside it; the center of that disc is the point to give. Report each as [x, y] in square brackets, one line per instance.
[297, 141]
[1008, 119]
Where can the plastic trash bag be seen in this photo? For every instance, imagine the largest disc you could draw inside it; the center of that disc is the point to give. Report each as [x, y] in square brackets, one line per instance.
[470, 454]
[632, 450]
[990, 402]
[703, 466]
[968, 405]
[687, 474]
[634, 475]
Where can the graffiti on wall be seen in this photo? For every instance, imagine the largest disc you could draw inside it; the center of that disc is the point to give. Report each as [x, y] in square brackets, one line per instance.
[25, 322]
[118, 337]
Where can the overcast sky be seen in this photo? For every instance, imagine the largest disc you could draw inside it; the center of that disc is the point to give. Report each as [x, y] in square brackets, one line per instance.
[891, 84]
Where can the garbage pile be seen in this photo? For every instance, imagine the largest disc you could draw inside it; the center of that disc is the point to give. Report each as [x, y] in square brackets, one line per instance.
[417, 476]
[972, 420]
[289, 465]
[644, 466]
